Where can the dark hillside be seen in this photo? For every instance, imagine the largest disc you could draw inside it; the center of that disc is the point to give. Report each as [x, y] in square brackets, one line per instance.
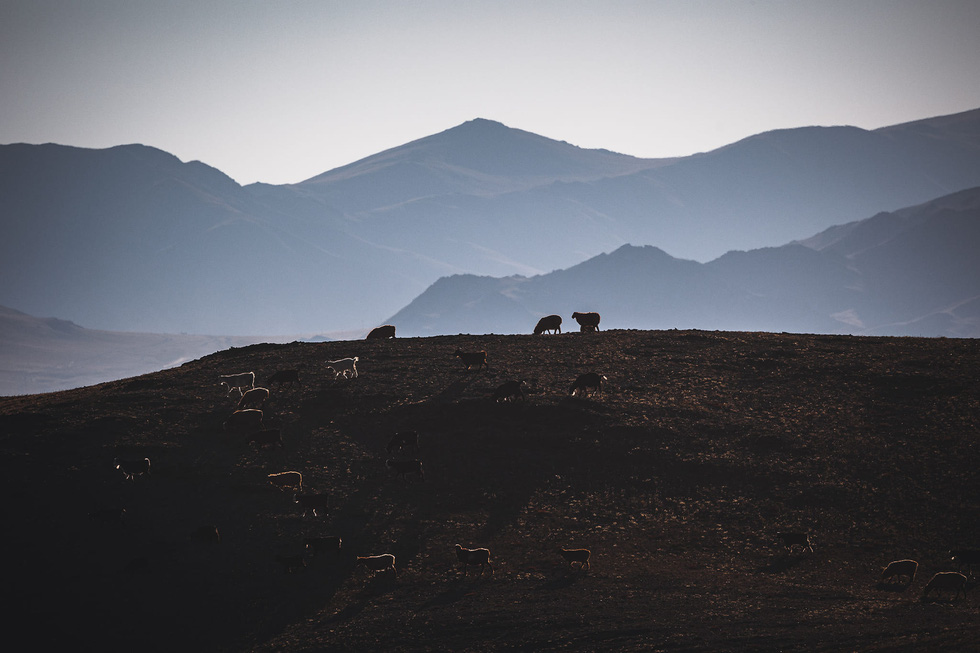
[702, 446]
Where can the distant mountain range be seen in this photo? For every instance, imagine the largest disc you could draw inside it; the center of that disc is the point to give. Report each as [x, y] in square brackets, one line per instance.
[131, 239]
[911, 272]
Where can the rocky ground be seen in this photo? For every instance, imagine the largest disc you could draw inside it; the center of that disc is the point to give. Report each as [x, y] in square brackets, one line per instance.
[701, 447]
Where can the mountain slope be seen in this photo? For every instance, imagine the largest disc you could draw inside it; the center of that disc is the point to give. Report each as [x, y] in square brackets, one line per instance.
[913, 272]
[700, 449]
[132, 239]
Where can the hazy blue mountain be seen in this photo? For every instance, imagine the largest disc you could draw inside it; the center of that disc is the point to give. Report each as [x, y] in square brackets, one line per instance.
[131, 238]
[48, 354]
[911, 272]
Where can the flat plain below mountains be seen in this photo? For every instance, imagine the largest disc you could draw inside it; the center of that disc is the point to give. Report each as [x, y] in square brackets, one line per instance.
[701, 447]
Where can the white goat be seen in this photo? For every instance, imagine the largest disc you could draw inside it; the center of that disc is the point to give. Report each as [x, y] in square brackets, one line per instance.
[238, 381]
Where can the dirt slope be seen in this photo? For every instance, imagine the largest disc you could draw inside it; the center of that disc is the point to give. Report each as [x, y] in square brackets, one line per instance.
[702, 446]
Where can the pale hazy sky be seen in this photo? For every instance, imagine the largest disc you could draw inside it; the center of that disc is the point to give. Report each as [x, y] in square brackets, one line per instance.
[282, 90]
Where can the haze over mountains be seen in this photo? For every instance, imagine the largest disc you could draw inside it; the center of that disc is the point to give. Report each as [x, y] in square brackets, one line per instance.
[911, 272]
[132, 239]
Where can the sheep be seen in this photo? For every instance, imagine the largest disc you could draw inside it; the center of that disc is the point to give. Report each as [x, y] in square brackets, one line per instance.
[474, 557]
[254, 398]
[382, 332]
[291, 562]
[344, 366]
[589, 383]
[900, 568]
[287, 481]
[510, 390]
[404, 439]
[316, 545]
[238, 381]
[267, 438]
[965, 558]
[471, 358]
[285, 376]
[312, 504]
[580, 556]
[207, 534]
[243, 421]
[587, 321]
[402, 467]
[131, 468]
[548, 323]
[383, 562]
[794, 539]
[953, 581]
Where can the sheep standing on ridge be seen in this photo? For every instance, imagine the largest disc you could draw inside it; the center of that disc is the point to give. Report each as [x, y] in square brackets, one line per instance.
[548, 323]
[468, 557]
[952, 581]
[900, 568]
[587, 321]
[345, 366]
[238, 381]
[473, 358]
[794, 539]
[287, 481]
[589, 383]
[382, 332]
[580, 556]
[383, 562]
[243, 422]
[254, 398]
[510, 390]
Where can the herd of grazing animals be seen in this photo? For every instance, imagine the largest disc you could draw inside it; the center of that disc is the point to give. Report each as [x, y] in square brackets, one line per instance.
[247, 422]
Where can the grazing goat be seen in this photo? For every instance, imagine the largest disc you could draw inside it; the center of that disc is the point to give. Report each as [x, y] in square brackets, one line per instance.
[207, 534]
[287, 481]
[403, 467]
[510, 390]
[943, 581]
[312, 504]
[382, 332]
[474, 557]
[243, 421]
[292, 562]
[580, 556]
[131, 468]
[254, 398]
[795, 539]
[344, 366]
[238, 381]
[965, 559]
[382, 562]
[589, 383]
[317, 545]
[402, 440]
[471, 358]
[109, 516]
[285, 376]
[587, 321]
[548, 323]
[900, 568]
[267, 438]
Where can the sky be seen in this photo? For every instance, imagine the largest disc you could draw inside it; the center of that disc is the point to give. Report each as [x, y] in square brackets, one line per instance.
[279, 91]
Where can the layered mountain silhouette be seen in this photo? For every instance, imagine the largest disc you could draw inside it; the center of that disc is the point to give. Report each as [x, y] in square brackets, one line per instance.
[130, 238]
[910, 272]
